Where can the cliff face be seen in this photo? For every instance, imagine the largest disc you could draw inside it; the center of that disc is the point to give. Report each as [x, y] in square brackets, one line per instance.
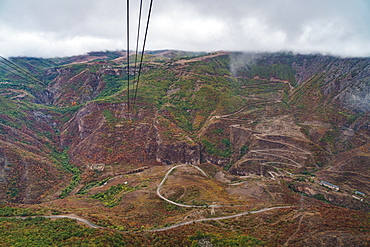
[102, 133]
[255, 114]
[175, 153]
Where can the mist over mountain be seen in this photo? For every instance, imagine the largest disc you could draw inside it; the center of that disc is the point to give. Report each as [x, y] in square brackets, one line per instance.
[49, 28]
[265, 128]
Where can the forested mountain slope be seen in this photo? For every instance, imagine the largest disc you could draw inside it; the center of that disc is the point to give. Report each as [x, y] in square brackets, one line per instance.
[286, 121]
[250, 112]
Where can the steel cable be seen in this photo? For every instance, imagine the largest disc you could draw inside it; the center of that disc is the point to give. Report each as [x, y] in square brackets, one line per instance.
[142, 52]
[128, 58]
[19, 69]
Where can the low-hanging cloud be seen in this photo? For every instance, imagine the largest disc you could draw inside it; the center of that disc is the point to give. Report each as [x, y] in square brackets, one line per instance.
[60, 28]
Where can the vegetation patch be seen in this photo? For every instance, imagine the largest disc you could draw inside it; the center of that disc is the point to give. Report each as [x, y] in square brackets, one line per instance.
[88, 186]
[112, 197]
[225, 152]
[7, 211]
[63, 159]
[114, 84]
[206, 239]
[109, 116]
[320, 197]
[46, 232]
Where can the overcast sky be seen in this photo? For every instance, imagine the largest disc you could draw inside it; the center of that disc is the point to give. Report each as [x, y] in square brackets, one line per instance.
[49, 28]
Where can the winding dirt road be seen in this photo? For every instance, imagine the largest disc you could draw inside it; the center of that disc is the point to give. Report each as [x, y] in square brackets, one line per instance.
[69, 216]
[172, 202]
[217, 218]
[92, 225]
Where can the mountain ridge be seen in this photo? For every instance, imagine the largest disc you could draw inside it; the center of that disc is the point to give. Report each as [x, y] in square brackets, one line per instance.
[279, 122]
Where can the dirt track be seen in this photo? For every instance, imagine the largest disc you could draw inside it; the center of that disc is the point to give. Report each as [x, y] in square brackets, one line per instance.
[92, 225]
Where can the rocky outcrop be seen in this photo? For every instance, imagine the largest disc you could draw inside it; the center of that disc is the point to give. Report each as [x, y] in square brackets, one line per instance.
[178, 152]
[45, 97]
[71, 88]
[101, 133]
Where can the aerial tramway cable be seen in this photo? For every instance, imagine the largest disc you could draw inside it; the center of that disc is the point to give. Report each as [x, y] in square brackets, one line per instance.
[11, 70]
[20, 71]
[143, 50]
[137, 42]
[138, 32]
[136, 53]
[128, 57]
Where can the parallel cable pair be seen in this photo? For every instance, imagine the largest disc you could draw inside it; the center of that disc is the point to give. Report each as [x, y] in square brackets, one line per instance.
[17, 70]
[136, 51]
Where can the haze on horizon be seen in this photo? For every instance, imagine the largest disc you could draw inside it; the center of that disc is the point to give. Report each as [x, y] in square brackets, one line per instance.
[51, 28]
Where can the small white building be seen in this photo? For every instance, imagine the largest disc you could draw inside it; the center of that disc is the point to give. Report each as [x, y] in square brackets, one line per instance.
[329, 185]
[360, 193]
[358, 198]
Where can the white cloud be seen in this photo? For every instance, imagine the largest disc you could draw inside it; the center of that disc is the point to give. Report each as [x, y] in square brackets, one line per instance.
[187, 30]
[49, 44]
[57, 28]
[257, 35]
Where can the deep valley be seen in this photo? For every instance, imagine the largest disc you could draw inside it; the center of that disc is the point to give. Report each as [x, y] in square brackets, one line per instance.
[209, 135]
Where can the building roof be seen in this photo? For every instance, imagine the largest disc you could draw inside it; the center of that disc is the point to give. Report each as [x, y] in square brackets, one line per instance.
[329, 184]
[360, 193]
